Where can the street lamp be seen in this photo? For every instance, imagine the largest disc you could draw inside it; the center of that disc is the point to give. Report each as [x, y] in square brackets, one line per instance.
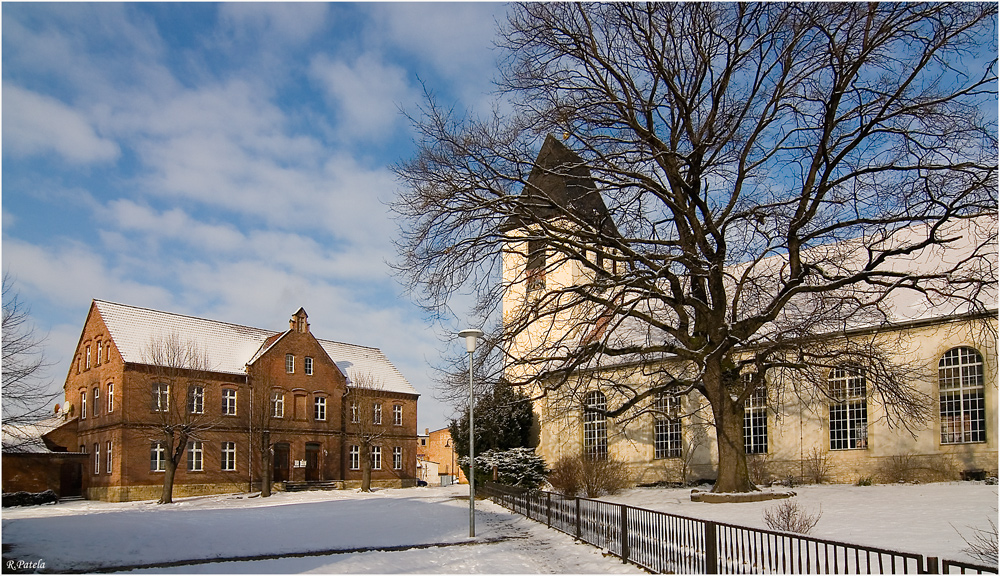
[471, 335]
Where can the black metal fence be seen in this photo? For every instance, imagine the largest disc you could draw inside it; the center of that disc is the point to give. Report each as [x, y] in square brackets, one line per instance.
[668, 543]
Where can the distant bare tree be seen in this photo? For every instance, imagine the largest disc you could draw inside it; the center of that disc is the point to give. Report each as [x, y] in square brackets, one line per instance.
[741, 185]
[25, 391]
[365, 410]
[177, 382]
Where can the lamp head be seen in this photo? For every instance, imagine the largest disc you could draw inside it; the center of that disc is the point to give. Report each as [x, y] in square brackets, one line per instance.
[470, 335]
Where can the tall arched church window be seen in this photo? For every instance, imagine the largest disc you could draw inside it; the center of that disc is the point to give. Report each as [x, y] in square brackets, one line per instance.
[962, 400]
[595, 426]
[849, 411]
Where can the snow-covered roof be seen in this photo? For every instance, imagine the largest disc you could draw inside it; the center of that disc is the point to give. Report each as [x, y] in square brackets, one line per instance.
[27, 437]
[229, 347]
[970, 253]
[355, 360]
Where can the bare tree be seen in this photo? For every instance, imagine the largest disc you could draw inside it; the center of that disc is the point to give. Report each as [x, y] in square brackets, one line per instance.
[25, 391]
[741, 187]
[365, 411]
[178, 377]
[264, 410]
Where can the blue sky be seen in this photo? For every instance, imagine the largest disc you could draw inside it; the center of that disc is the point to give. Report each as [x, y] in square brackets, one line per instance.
[228, 161]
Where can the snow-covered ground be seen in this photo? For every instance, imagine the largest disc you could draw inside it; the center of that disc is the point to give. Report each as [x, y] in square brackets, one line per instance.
[425, 530]
[87, 535]
[928, 519]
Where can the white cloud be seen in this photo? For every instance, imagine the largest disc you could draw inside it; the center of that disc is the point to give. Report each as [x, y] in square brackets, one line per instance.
[38, 124]
[367, 93]
[284, 21]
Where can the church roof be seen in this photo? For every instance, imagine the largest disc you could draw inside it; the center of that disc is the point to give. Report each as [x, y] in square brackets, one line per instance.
[230, 347]
[560, 182]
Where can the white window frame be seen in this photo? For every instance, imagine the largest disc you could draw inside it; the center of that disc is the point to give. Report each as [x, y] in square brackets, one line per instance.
[87, 364]
[157, 454]
[308, 366]
[849, 411]
[962, 396]
[595, 426]
[96, 408]
[229, 396]
[99, 350]
[755, 419]
[376, 457]
[196, 404]
[83, 404]
[355, 463]
[667, 432]
[397, 458]
[397, 414]
[377, 413]
[277, 405]
[196, 456]
[290, 363]
[97, 457]
[161, 394]
[109, 457]
[319, 408]
[228, 457]
[354, 412]
[111, 397]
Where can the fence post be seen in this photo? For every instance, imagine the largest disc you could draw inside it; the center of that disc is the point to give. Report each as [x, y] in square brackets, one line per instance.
[577, 517]
[548, 509]
[625, 550]
[711, 549]
[932, 565]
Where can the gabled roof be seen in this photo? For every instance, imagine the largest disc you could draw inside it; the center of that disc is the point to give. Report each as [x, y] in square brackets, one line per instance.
[559, 182]
[229, 347]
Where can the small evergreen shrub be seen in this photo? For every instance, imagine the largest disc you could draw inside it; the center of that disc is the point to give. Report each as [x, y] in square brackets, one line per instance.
[29, 498]
[515, 467]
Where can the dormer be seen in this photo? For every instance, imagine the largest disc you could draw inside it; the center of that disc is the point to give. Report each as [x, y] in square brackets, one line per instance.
[299, 322]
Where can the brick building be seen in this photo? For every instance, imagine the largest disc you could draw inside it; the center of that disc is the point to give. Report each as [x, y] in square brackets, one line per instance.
[138, 371]
[436, 446]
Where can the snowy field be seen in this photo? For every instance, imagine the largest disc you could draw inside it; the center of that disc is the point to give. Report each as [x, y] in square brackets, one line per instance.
[433, 522]
[928, 519]
[425, 530]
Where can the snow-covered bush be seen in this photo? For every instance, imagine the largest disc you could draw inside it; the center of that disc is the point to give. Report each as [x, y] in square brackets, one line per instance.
[515, 467]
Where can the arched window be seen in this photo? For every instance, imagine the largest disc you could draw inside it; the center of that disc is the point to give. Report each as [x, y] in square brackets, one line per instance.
[595, 426]
[849, 412]
[666, 427]
[963, 405]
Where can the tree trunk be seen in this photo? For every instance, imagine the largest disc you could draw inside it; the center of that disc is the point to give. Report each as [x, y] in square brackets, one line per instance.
[366, 467]
[265, 458]
[167, 495]
[733, 474]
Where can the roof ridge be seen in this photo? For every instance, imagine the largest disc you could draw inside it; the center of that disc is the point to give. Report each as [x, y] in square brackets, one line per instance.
[349, 344]
[192, 317]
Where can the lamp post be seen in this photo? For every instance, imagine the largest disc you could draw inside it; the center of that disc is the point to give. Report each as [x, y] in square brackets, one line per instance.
[471, 335]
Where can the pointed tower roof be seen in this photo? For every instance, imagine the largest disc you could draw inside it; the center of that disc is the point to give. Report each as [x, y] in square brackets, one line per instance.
[560, 181]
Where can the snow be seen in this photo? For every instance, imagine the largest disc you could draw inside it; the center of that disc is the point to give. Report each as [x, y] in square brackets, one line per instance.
[928, 519]
[88, 535]
[425, 530]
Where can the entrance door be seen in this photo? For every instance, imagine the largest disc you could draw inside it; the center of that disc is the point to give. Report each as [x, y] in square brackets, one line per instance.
[280, 463]
[312, 462]
[70, 479]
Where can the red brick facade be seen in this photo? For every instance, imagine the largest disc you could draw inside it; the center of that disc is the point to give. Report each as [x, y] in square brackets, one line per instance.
[119, 423]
